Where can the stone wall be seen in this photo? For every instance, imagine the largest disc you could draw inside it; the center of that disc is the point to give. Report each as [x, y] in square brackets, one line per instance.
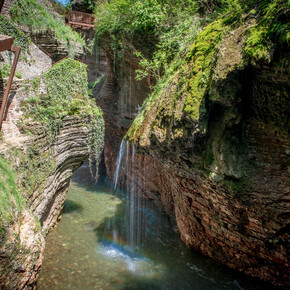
[43, 165]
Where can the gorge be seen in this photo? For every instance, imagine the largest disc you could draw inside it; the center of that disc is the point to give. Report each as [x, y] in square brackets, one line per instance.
[193, 113]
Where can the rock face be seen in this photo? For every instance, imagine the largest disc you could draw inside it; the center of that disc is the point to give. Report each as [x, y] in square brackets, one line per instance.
[69, 150]
[45, 203]
[21, 253]
[51, 127]
[43, 163]
[56, 49]
[221, 176]
[42, 63]
[120, 99]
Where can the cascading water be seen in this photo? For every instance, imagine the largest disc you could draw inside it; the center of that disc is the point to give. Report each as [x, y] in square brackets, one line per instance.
[125, 168]
[119, 160]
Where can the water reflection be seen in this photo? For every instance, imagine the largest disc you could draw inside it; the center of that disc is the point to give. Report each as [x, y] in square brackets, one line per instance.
[90, 249]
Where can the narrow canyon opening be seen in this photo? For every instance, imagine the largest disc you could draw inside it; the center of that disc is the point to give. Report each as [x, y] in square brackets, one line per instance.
[145, 144]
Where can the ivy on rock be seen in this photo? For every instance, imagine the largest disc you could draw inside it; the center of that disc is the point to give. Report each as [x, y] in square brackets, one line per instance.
[60, 92]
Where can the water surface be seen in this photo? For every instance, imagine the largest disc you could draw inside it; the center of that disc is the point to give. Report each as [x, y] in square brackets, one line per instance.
[92, 248]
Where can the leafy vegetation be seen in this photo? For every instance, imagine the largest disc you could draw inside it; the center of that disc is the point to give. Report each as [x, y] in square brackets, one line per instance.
[11, 202]
[5, 69]
[8, 28]
[184, 61]
[89, 4]
[188, 74]
[66, 93]
[60, 92]
[32, 14]
[159, 24]
[128, 16]
[31, 167]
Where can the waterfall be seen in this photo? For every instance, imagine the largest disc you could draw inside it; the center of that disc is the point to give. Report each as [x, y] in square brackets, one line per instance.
[134, 216]
[119, 160]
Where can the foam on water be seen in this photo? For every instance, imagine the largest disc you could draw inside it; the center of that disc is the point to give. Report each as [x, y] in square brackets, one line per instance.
[136, 264]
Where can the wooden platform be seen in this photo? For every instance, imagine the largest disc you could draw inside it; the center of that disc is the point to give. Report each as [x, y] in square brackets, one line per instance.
[81, 19]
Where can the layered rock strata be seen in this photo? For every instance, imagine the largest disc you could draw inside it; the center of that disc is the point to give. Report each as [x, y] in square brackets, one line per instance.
[22, 246]
[218, 161]
[43, 162]
[56, 49]
[120, 98]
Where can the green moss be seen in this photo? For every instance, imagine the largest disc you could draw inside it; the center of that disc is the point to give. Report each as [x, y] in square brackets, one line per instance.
[8, 28]
[270, 25]
[201, 58]
[64, 92]
[178, 100]
[11, 201]
[188, 79]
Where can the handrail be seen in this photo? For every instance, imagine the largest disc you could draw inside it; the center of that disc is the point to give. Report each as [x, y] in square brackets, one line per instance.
[16, 50]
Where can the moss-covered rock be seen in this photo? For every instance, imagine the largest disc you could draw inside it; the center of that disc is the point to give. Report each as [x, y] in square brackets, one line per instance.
[60, 126]
[212, 76]
[8, 28]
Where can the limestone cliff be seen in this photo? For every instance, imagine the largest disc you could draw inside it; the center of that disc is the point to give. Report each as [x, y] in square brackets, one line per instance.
[120, 96]
[213, 145]
[58, 127]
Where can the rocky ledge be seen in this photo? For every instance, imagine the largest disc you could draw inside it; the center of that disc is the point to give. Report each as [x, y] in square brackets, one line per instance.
[23, 243]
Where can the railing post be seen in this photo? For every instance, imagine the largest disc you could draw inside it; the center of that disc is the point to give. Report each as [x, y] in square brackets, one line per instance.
[16, 50]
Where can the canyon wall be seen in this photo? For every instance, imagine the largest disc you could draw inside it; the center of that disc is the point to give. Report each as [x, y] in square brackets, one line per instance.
[51, 126]
[42, 155]
[120, 97]
[22, 244]
[213, 148]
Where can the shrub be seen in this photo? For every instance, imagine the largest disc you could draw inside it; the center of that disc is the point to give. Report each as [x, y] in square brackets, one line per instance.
[11, 201]
[32, 14]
